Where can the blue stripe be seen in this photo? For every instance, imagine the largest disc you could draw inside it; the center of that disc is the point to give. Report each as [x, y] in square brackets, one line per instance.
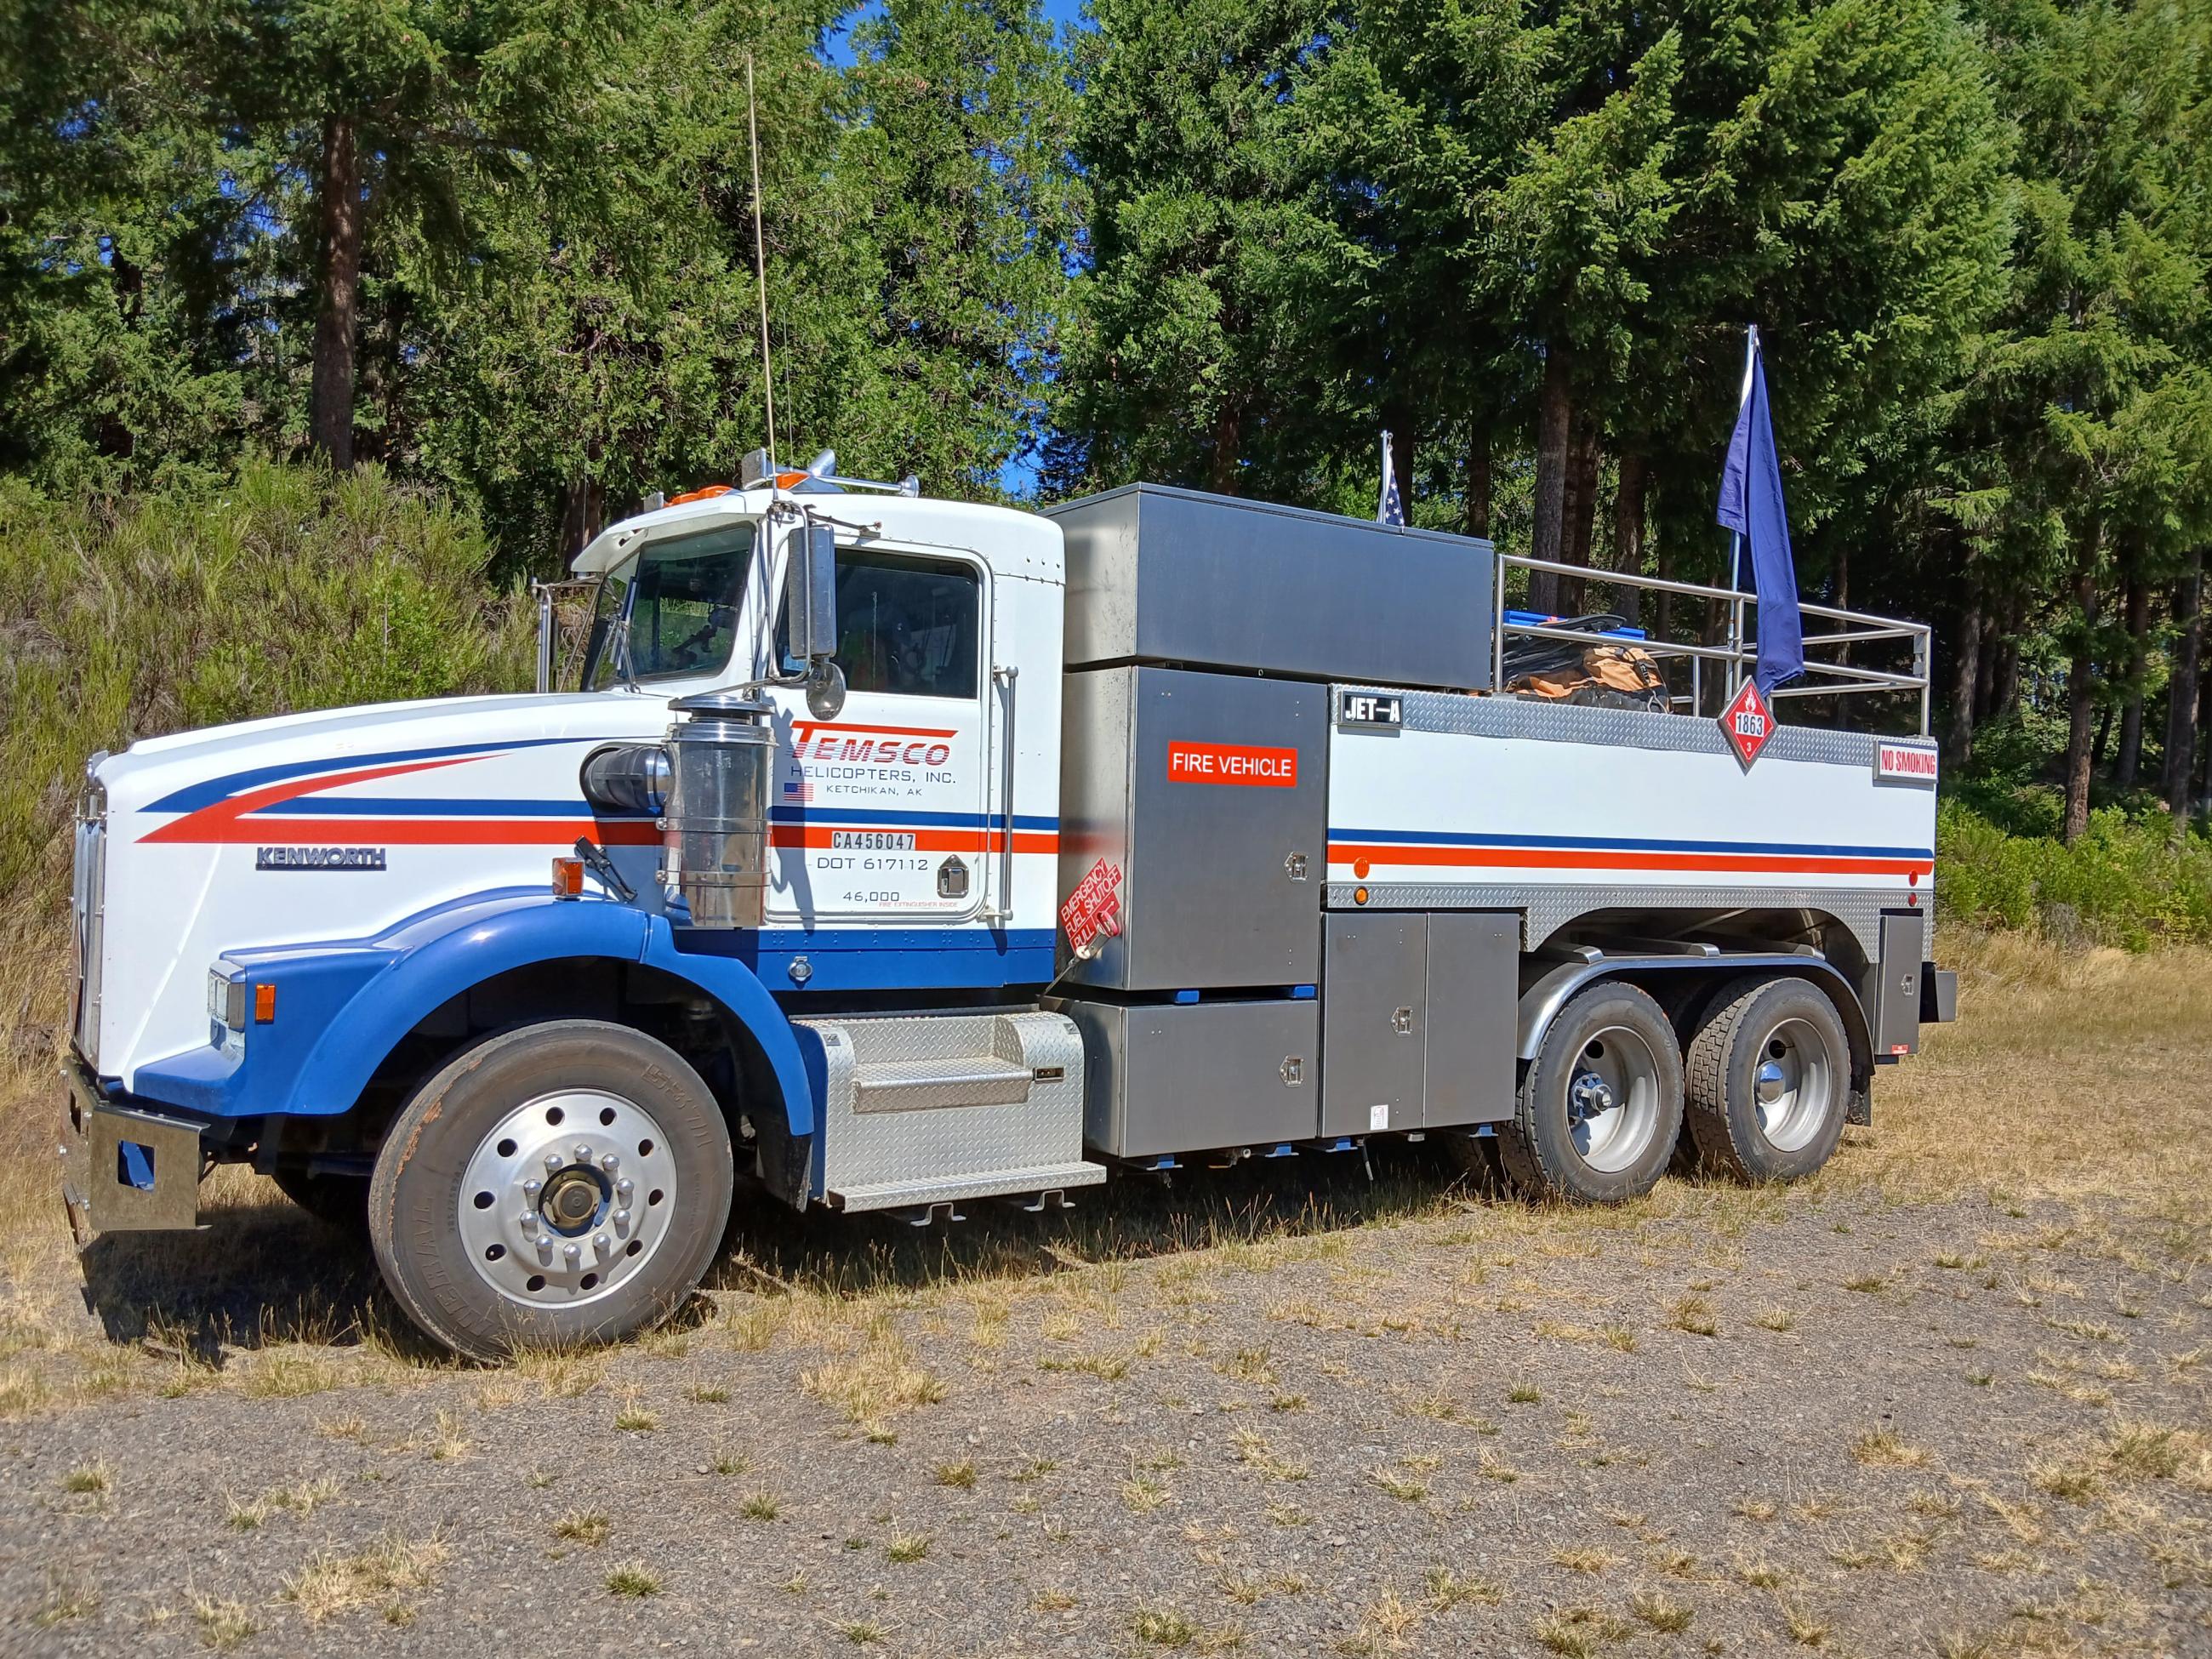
[1623, 844]
[207, 793]
[844, 959]
[920, 820]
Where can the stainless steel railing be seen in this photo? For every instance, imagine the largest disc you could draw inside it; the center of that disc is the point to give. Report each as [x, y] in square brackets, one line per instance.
[1824, 676]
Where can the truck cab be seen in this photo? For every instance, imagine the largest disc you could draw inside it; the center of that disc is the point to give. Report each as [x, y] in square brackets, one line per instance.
[894, 855]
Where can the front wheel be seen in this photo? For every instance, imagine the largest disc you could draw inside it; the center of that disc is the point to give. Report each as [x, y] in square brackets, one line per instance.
[563, 1183]
[1600, 1104]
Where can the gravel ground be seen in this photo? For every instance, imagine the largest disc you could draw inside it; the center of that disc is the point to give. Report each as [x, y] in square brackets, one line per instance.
[1406, 1418]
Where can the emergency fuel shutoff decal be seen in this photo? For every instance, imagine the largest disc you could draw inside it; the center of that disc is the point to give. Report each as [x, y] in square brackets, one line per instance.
[1093, 910]
[1243, 763]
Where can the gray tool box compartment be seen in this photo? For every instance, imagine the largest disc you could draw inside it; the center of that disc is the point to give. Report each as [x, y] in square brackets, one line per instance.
[1161, 574]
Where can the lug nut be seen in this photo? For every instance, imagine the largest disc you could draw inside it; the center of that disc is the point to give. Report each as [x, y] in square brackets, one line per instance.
[552, 1161]
[532, 1187]
[609, 1162]
[624, 1189]
[600, 1244]
[622, 1221]
[544, 1252]
[571, 1253]
[527, 1221]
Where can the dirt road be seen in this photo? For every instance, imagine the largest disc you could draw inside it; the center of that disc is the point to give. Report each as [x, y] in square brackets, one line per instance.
[1939, 1401]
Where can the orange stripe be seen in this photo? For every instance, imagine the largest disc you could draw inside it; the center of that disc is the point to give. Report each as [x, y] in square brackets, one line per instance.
[1544, 858]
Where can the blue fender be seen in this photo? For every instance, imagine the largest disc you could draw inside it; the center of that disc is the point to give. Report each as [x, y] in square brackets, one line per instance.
[349, 1003]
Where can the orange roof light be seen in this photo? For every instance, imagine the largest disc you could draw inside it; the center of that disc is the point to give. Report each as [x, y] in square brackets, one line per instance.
[704, 493]
[790, 480]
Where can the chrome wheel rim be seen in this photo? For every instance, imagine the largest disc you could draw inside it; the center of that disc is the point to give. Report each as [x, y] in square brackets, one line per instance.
[1612, 1099]
[1792, 1085]
[567, 1199]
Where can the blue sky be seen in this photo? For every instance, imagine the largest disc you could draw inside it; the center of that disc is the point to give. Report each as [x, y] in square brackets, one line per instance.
[838, 44]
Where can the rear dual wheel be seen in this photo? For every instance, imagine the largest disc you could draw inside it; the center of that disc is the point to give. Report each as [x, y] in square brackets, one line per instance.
[1600, 1104]
[1769, 1080]
[1763, 1092]
[562, 1184]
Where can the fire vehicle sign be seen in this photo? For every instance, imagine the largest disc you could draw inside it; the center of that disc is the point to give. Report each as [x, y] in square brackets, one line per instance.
[1093, 910]
[1243, 763]
[1748, 723]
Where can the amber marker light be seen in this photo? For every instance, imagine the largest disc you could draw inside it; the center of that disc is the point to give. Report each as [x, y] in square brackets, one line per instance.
[264, 1004]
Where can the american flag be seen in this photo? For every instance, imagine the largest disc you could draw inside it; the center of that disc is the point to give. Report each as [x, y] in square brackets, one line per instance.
[1391, 509]
[799, 792]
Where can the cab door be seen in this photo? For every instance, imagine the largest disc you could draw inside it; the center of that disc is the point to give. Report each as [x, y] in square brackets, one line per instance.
[878, 815]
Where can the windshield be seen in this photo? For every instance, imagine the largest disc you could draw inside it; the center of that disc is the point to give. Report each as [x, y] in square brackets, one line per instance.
[679, 597]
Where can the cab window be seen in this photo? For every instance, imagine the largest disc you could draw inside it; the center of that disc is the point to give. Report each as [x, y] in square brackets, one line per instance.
[678, 597]
[905, 625]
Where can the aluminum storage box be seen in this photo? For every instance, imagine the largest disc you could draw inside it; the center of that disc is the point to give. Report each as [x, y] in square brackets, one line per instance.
[1207, 792]
[1166, 576]
[1161, 1078]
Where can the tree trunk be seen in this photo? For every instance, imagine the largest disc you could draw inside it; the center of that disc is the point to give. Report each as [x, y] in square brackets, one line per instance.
[1841, 572]
[1579, 508]
[2081, 697]
[1662, 608]
[329, 417]
[2007, 676]
[1967, 682]
[583, 510]
[2181, 697]
[1228, 433]
[1478, 482]
[2132, 717]
[1555, 412]
[1635, 473]
[1985, 685]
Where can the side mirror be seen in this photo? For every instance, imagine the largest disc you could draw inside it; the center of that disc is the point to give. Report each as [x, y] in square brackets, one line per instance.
[825, 688]
[810, 592]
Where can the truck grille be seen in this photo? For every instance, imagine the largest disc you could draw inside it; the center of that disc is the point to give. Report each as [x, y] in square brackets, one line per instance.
[88, 905]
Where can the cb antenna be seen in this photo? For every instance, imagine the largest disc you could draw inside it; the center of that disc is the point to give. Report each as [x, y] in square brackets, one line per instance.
[760, 264]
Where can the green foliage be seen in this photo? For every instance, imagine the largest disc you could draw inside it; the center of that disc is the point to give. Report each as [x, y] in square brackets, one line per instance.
[285, 590]
[2128, 880]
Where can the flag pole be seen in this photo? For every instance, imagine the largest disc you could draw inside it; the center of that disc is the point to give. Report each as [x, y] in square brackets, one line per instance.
[1735, 537]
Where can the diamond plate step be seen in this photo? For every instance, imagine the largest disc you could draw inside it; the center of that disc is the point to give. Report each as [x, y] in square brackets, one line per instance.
[1039, 1178]
[905, 1085]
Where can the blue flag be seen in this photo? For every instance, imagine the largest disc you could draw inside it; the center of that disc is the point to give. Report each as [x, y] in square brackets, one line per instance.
[1750, 506]
[1391, 509]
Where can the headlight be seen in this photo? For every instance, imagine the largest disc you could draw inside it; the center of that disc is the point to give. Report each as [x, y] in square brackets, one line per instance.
[226, 996]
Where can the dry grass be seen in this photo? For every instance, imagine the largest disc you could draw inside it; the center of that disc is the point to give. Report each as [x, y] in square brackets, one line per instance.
[330, 1583]
[2046, 1031]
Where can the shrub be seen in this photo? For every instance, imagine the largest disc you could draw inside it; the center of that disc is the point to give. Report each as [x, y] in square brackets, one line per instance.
[125, 618]
[2129, 881]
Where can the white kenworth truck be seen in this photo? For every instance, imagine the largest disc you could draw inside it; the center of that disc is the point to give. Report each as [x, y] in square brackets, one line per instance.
[891, 853]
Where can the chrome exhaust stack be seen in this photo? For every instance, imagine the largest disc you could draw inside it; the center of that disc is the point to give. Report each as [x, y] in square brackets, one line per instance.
[715, 832]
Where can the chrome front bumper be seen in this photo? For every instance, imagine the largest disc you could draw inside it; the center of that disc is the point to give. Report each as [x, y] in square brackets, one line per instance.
[123, 1170]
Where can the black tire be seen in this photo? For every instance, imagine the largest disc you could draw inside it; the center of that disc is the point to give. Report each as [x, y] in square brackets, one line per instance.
[335, 1200]
[415, 1213]
[1538, 1144]
[1787, 1023]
